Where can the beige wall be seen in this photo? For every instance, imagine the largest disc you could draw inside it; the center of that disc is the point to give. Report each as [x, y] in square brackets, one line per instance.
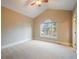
[64, 22]
[14, 27]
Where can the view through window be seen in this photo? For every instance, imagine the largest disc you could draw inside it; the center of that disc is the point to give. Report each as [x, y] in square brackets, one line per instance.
[48, 29]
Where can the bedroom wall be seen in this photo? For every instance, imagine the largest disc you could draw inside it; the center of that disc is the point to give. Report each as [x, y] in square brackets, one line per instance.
[15, 27]
[64, 25]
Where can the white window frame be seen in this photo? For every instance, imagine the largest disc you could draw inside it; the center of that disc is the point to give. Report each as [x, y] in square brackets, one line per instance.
[48, 35]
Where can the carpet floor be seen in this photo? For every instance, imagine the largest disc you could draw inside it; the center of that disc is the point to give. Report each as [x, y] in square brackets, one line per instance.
[38, 50]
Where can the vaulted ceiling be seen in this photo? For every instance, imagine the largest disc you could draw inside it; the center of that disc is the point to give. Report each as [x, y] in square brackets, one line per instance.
[21, 6]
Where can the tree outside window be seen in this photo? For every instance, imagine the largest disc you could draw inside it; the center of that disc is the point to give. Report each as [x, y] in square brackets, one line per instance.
[48, 29]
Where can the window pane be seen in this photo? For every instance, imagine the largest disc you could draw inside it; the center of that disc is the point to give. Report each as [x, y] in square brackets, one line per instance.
[48, 28]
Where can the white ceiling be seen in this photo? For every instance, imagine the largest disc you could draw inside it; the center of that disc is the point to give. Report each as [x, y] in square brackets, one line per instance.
[21, 7]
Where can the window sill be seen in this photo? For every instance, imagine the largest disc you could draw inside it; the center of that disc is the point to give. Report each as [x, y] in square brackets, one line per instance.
[47, 36]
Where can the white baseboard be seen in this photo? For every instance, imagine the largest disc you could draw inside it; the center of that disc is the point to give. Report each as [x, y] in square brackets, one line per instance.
[13, 44]
[63, 43]
[58, 42]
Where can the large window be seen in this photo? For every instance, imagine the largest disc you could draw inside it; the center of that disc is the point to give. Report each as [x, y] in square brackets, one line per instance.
[48, 29]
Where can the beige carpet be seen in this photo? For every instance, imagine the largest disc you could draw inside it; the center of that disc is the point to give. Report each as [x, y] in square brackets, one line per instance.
[38, 50]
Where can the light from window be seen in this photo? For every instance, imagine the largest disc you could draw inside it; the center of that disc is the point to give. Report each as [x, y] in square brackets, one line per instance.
[48, 29]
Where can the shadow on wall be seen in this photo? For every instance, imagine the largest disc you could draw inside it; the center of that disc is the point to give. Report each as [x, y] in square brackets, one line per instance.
[14, 27]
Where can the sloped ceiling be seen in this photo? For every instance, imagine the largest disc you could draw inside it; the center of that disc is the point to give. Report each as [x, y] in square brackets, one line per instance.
[21, 6]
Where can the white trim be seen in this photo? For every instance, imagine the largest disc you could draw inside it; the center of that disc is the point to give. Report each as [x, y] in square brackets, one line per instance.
[57, 42]
[63, 43]
[13, 44]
